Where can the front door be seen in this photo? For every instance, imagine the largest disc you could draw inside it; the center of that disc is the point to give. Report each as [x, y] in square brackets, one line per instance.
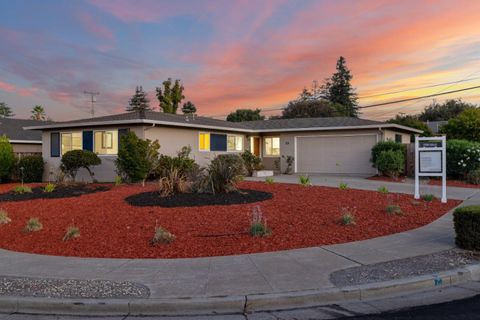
[255, 145]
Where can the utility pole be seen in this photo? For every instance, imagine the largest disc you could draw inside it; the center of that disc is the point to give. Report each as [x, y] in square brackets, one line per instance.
[93, 99]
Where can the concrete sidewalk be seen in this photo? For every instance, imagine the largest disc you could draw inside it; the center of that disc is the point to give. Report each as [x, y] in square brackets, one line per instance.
[296, 271]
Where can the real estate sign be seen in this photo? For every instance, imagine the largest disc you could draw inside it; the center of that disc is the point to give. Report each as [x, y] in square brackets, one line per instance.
[430, 161]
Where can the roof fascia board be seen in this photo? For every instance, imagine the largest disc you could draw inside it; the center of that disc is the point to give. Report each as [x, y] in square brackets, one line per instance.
[26, 141]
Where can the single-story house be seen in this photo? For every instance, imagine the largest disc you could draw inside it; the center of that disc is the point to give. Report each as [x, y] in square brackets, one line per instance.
[24, 142]
[336, 145]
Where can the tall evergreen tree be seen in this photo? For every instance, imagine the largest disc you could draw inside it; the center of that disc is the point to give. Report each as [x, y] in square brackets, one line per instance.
[338, 89]
[139, 101]
[189, 108]
[38, 113]
[5, 111]
[170, 97]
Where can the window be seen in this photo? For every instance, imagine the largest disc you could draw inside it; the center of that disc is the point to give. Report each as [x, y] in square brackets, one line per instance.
[204, 141]
[106, 142]
[235, 143]
[272, 146]
[398, 138]
[71, 141]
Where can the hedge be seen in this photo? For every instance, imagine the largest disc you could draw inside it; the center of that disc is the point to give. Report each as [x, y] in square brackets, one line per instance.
[33, 167]
[386, 146]
[463, 156]
[467, 227]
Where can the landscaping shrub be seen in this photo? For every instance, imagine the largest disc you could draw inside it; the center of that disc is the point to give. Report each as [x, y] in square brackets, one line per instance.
[74, 160]
[428, 197]
[33, 167]
[118, 181]
[33, 224]
[177, 174]
[462, 157]
[162, 236]
[304, 180]
[258, 224]
[71, 233]
[7, 159]
[50, 187]
[251, 161]
[223, 174]
[388, 145]
[182, 162]
[289, 160]
[269, 180]
[21, 189]
[343, 186]
[390, 163]
[467, 227]
[383, 189]
[473, 177]
[137, 158]
[174, 182]
[348, 216]
[4, 218]
[393, 209]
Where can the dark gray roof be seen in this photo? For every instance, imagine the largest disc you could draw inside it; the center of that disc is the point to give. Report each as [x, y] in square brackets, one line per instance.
[204, 122]
[13, 129]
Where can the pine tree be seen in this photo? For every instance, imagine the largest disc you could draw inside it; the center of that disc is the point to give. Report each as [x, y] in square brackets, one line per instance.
[189, 108]
[5, 111]
[38, 113]
[170, 97]
[338, 89]
[139, 101]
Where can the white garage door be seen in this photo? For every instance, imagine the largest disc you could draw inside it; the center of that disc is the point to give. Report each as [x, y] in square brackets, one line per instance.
[341, 154]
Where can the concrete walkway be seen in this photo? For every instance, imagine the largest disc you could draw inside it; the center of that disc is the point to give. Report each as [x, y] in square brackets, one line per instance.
[263, 273]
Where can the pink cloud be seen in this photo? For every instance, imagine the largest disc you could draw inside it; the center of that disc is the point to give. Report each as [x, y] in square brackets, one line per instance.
[24, 92]
[7, 87]
[95, 28]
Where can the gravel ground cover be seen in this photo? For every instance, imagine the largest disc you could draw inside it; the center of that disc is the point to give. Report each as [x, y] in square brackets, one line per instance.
[71, 289]
[298, 217]
[416, 266]
[59, 192]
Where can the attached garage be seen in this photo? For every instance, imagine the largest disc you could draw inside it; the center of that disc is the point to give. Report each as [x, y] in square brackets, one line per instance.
[335, 154]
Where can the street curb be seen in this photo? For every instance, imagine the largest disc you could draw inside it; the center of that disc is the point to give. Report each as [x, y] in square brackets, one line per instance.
[236, 304]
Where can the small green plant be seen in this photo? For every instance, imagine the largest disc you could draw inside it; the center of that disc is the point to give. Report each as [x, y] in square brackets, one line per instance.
[383, 190]
[4, 218]
[22, 189]
[343, 186]
[304, 180]
[50, 187]
[71, 233]
[118, 181]
[258, 224]
[269, 180]
[348, 216]
[162, 236]
[428, 197]
[393, 209]
[33, 224]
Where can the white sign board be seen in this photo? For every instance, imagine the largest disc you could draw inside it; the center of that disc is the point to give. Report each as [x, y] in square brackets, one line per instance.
[430, 161]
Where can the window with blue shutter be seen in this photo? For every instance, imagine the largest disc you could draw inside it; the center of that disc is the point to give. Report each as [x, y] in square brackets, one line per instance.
[87, 140]
[122, 132]
[218, 142]
[55, 144]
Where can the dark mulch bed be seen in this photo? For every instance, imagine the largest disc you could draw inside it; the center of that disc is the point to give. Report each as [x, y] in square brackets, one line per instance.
[58, 193]
[243, 196]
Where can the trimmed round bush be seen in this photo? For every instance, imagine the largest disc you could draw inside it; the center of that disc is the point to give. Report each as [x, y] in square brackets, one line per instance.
[74, 160]
[388, 145]
[391, 163]
[467, 227]
[32, 168]
[463, 156]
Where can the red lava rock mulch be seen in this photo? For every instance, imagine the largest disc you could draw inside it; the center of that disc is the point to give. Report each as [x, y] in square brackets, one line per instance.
[387, 179]
[298, 216]
[453, 183]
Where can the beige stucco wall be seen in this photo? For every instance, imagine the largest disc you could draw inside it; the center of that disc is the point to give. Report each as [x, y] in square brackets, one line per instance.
[390, 135]
[26, 148]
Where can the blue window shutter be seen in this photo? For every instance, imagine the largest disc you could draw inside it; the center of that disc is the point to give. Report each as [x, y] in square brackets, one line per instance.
[122, 132]
[54, 144]
[87, 140]
[218, 142]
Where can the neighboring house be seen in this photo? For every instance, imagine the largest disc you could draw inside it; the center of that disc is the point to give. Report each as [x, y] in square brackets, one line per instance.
[24, 142]
[435, 125]
[319, 145]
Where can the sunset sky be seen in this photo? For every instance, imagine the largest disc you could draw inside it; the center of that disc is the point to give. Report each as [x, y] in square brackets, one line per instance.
[233, 54]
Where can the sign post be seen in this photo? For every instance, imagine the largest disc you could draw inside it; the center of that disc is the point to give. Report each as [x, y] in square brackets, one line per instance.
[431, 161]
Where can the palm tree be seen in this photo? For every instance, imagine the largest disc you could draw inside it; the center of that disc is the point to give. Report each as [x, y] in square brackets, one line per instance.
[38, 113]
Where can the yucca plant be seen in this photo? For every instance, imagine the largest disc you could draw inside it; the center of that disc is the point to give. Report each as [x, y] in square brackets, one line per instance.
[393, 209]
[4, 218]
[162, 236]
[71, 233]
[258, 224]
[304, 180]
[33, 224]
[269, 180]
[343, 186]
[22, 189]
[428, 197]
[348, 216]
[383, 190]
[50, 187]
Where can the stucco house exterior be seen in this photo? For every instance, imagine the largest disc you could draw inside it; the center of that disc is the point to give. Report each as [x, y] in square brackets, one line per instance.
[24, 142]
[337, 145]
